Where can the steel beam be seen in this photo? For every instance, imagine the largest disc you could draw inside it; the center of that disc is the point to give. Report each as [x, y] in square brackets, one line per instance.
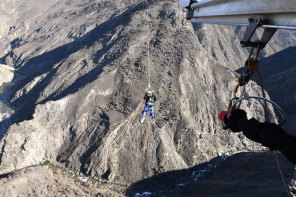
[279, 14]
[184, 3]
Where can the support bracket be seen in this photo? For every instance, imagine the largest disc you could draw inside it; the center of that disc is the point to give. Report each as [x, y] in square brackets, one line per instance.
[254, 23]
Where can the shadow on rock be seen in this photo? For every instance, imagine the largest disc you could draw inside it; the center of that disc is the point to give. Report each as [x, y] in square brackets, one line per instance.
[243, 174]
[46, 63]
[278, 76]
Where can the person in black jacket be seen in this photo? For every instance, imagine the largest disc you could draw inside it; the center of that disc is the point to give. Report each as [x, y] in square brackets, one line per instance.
[267, 134]
[149, 104]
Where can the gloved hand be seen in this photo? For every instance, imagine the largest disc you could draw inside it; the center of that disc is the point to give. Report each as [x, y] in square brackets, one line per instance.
[232, 119]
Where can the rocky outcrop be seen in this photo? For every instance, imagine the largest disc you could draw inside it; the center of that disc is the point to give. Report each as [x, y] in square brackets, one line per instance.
[6, 75]
[82, 101]
[49, 180]
[40, 139]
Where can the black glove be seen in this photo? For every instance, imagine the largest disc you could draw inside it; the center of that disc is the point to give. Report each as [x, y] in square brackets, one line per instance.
[232, 119]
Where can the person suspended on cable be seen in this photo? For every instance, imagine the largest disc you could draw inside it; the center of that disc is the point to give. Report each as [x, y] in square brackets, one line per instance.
[149, 98]
[268, 134]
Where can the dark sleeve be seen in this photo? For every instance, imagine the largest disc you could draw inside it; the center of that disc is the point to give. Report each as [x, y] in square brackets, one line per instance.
[269, 135]
[145, 97]
[154, 98]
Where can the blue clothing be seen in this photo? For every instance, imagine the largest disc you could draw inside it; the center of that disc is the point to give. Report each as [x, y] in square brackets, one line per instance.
[149, 107]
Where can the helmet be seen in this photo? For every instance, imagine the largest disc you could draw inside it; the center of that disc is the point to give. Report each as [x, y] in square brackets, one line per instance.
[149, 92]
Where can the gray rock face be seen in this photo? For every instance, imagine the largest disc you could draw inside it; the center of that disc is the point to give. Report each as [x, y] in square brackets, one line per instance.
[48, 180]
[6, 78]
[82, 101]
[6, 75]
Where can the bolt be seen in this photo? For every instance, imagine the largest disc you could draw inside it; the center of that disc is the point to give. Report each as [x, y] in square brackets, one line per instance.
[250, 20]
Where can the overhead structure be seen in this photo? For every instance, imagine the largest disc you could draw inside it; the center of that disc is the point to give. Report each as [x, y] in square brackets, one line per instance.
[279, 14]
[269, 14]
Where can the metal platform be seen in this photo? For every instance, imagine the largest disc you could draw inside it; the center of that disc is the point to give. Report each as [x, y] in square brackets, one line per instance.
[279, 14]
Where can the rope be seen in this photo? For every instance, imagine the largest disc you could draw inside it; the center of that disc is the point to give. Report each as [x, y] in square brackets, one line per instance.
[281, 172]
[148, 49]
[293, 184]
[294, 178]
[263, 94]
[268, 120]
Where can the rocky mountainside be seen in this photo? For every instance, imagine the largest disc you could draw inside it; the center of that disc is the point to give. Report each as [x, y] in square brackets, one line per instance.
[49, 180]
[84, 66]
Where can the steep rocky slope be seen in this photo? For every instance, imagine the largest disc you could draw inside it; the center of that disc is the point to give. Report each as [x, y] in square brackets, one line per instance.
[49, 180]
[82, 100]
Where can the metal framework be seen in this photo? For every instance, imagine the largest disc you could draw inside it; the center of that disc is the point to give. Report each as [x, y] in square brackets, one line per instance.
[278, 14]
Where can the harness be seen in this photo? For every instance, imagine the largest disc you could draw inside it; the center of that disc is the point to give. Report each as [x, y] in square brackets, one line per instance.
[150, 105]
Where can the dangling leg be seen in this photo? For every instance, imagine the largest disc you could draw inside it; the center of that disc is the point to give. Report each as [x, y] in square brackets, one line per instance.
[144, 112]
[151, 110]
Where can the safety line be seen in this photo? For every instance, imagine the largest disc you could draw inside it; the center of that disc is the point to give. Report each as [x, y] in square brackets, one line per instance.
[148, 47]
[294, 178]
[267, 118]
[281, 172]
[275, 152]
